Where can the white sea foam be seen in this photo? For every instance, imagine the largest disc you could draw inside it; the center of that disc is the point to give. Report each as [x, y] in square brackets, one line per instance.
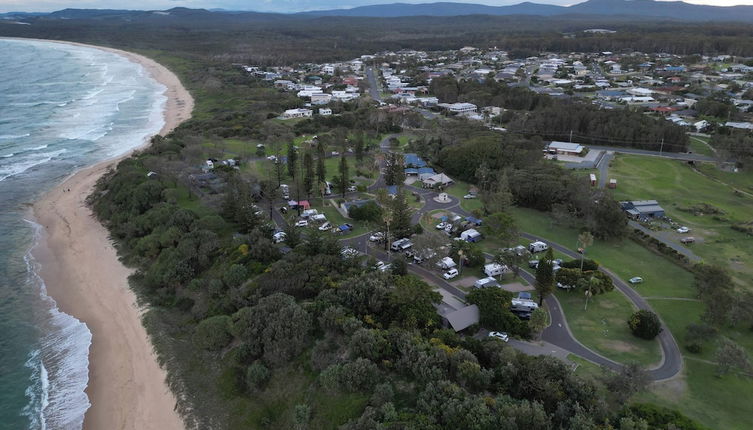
[60, 367]
[11, 136]
[19, 167]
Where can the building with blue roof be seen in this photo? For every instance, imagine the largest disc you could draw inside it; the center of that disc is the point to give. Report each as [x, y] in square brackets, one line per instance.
[413, 160]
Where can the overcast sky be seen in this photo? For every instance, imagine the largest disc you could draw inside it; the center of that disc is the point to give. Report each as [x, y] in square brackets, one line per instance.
[260, 5]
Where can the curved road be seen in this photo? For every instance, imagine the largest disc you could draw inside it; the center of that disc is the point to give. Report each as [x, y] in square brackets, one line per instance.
[558, 333]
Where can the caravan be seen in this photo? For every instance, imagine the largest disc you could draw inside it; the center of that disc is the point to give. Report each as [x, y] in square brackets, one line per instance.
[537, 246]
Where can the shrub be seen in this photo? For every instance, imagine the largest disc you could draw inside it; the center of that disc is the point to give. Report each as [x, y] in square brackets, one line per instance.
[645, 324]
[213, 333]
[694, 347]
[257, 376]
[588, 265]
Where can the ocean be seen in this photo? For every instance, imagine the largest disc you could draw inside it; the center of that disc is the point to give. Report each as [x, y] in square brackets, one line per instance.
[62, 107]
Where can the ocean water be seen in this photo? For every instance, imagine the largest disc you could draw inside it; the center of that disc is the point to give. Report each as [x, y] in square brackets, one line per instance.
[62, 107]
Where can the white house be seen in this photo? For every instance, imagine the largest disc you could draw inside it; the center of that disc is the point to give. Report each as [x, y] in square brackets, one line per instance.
[296, 113]
[320, 98]
[462, 108]
[325, 111]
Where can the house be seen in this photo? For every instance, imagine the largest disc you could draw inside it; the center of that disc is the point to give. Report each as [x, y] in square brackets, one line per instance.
[462, 108]
[462, 318]
[320, 98]
[296, 113]
[413, 160]
[642, 209]
[495, 269]
[325, 111]
[564, 148]
[471, 235]
[438, 179]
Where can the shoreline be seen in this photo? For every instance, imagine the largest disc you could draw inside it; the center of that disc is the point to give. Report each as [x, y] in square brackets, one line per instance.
[127, 388]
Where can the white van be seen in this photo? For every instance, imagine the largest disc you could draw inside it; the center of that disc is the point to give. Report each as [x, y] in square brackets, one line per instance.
[537, 246]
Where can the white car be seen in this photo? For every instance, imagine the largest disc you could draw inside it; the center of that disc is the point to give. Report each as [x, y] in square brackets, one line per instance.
[349, 252]
[352, 188]
[279, 237]
[302, 223]
[683, 230]
[469, 196]
[335, 153]
[376, 237]
[450, 274]
[384, 267]
[272, 158]
[326, 226]
[499, 335]
[635, 280]
[441, 226]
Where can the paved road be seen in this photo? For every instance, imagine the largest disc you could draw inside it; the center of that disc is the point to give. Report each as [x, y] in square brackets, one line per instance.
[374, 87]
[671, 363]
[672, 155]
[603, 167]
[661, 237]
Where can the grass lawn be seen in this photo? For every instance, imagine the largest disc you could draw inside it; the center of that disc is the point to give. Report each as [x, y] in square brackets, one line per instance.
[585, 368]
[458, 190]
[661, 278]
[698, 145]
[719, 403]
[336, 218]
[676, 186]
[603, 327]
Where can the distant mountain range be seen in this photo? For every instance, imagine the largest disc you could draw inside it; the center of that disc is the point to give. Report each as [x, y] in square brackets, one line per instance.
[670, 10]
[674, 10]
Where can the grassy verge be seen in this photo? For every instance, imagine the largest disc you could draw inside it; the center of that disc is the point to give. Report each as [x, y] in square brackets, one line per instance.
[603, 327]
[458, 190]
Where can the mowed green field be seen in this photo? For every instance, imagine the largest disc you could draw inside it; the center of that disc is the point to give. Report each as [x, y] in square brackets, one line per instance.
[717, 402]
[677, 186]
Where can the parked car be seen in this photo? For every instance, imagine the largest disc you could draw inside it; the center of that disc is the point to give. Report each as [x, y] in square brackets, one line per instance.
[326, 226]
[272, 158]
[349, 252]
[635, 280]
[377, 237]
[279, 237]
[379, 264]
[441, 226]
[351, 188]
[689, 239]
[450, 274]
[683, 230]
[499, 335]
[533, 264]
[302, 223]
[385, 267]
[335, 153]
[469, 196]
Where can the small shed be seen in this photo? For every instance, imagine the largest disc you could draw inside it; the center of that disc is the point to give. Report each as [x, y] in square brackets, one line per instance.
[613, 183]
[462, 318]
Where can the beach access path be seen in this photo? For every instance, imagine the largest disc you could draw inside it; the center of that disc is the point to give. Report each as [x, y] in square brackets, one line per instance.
[127, 388]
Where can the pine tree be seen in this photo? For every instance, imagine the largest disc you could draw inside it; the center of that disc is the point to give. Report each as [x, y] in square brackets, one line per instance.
[343, 168]
[308, 173]
[292, 160]
[359, 147]
[545, 276]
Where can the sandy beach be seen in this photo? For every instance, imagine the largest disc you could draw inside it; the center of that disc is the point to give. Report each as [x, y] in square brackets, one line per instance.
[80, 267]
